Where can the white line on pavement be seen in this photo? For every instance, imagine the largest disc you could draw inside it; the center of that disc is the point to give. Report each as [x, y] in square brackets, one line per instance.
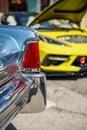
[50, 104]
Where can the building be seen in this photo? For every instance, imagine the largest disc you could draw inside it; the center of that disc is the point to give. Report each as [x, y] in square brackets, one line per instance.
[24, 5]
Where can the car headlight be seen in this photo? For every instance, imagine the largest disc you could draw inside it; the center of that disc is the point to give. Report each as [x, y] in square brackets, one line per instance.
[51, 41]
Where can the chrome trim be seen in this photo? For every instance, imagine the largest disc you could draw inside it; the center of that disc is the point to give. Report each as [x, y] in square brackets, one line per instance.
[28, 70]
[9, 118]
[14, 95]
[8, 72]
[58, 58]
[37, 96]
[1, 64]
[10, 92]
[34, 75]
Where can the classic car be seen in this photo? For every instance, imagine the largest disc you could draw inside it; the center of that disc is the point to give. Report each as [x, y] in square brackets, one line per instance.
[21, 80]
[63, 43]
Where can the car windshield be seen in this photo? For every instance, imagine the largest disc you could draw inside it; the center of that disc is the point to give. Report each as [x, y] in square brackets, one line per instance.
[55, 24]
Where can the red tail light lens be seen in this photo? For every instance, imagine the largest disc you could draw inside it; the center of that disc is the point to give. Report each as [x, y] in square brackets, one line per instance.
[82, 60]
[31, 56]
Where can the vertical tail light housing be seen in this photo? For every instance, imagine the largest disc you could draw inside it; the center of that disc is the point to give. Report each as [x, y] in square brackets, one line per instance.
[31, 57]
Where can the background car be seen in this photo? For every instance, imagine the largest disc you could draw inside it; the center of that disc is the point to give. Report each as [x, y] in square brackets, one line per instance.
[17, 18]
[62, 42]
[21, 81]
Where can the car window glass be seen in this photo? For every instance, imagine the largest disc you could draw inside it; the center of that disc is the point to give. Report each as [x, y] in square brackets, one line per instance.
[7, 45]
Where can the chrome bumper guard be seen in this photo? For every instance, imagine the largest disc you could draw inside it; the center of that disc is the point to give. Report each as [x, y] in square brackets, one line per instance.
[37, 93]
[23, 89]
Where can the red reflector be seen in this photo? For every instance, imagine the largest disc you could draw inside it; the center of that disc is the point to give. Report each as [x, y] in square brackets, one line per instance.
[82, 60]
[31, 57]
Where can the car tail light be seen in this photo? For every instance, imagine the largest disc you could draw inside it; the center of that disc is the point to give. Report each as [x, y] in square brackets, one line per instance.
[31, 58]
[82, 60]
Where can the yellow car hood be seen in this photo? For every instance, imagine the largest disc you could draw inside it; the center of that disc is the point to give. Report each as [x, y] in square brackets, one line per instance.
[72, 10]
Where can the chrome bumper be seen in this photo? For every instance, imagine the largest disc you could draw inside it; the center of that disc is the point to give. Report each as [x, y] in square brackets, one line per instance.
[23, 89]
[37, 94]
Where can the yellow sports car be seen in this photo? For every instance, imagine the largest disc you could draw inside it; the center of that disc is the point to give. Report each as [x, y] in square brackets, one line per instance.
[63, 44]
